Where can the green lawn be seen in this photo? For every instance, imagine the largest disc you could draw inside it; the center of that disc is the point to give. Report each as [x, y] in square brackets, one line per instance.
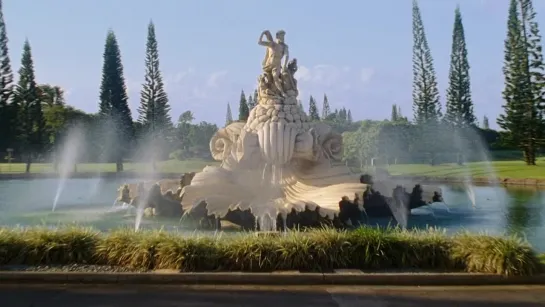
[502, 169]
[171, 166]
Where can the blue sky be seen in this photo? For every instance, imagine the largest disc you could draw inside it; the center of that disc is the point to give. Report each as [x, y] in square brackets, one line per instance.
[357, 51]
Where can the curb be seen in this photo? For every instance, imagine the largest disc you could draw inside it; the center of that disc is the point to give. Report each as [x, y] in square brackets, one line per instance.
[275, 278]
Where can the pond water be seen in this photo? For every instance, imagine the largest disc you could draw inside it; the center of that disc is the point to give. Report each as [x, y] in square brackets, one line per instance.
[88, 202]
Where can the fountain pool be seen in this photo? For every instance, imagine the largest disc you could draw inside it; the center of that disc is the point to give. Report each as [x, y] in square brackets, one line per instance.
[88, 202]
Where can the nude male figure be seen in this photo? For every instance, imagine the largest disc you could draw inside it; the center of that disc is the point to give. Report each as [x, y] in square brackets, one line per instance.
[272, 63]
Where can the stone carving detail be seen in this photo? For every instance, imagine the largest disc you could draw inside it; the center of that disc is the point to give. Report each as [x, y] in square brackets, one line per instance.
[278, 161]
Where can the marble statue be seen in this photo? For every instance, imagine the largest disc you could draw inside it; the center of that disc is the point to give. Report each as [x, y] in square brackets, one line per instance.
[275, 52]
[278, 161]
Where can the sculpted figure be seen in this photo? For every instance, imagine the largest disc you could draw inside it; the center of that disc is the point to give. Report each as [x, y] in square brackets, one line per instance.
[272, 63]
[264, 88]
[288, 79]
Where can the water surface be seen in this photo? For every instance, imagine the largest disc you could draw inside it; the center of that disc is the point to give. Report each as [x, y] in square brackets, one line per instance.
[88, 202]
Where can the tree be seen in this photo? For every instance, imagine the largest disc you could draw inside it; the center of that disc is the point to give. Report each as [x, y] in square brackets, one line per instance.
[394, 115]
[524, 87]
[313, 110]
[243, 110]
[7, 114]
[326, 110]
[154, 106]
[29, 106]
[425, 93]
[117, 127]
[486, 125]
[459, 111]
[229, 116]
[349, 117]
[51, 94]
[251, 102]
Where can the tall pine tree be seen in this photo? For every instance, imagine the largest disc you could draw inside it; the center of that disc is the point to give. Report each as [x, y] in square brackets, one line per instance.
[486, 124]
[113, 106]
[349, 117]
[326, 110]
[7, 114]
[459, 110]
[30, 115]
[427, 108]
[524, 84]
[229, 115]
[251, 102]
[153, 113]
[394, 117]
[243, 110]
[313, 110]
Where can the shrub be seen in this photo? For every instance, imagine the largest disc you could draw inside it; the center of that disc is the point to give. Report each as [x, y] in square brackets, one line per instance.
[312, 250]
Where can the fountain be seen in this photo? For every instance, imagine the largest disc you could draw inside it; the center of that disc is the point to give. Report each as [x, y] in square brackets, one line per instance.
[68, 159]
[278, 169]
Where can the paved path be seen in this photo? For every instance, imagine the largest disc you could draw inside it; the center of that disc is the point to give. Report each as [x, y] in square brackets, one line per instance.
[263, 296]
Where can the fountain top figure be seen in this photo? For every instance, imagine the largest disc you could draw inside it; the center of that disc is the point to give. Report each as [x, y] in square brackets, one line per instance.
[272, 63]
[278, 161]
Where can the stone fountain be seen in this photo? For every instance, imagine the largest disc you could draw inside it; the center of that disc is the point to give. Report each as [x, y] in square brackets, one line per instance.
[278, 169]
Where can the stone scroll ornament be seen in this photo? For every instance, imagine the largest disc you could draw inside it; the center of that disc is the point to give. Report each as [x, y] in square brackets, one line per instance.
[278, 160]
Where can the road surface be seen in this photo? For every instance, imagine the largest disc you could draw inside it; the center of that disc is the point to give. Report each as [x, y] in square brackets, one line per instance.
[265, 296]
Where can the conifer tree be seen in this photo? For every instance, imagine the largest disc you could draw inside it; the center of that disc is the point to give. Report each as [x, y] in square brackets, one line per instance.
[113, 106]
[251, 102]
[349, 116]
[243, 110]
[313, 110]
[524, 81]
[394, 117]
[486, 124]
[7, 113]
[229, 116]
[427, 108]
[29, 106]
[459, 109]
[326, 110]
[153, 113]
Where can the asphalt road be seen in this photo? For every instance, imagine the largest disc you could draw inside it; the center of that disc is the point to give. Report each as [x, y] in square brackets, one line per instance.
[265, 296]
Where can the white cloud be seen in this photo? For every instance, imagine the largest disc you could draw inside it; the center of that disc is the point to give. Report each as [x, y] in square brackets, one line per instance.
[215, 77]
[322, 74]
[366, 74]
[171, 80]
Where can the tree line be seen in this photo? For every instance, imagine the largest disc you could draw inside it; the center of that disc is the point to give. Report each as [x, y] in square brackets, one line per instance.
[35, 119]
[433, 136]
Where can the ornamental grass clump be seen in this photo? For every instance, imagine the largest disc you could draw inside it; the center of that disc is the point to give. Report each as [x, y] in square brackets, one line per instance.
[35, 246]
[497, 255]
[317, 250]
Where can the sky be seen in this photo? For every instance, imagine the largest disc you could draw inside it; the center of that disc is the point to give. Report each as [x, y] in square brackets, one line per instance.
[358, 52]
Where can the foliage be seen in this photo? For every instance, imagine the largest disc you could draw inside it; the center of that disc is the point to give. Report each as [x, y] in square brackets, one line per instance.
[154, 105]
[459, 112]
[243, 110]
[524, 83]
[117, 126]
[326, 110]
[486, 124]
[192, 140]
[313, 110]
[426, 105]
[27, 102]
[7, 120]
[229, 115]
[314, 250]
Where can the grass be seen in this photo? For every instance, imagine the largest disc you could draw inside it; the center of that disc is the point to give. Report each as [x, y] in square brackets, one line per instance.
[170, 166]
[314, 250]
[501, 169]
